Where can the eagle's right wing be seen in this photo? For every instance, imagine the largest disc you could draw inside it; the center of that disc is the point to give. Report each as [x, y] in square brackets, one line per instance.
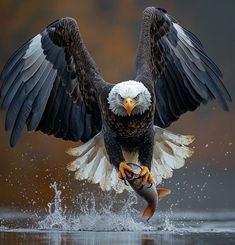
[173, 61]
[50, 84]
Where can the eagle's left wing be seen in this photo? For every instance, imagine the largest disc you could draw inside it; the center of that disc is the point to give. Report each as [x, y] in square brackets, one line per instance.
[172, 59]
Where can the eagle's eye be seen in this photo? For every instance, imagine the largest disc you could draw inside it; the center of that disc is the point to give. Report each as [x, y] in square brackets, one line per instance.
[137, 97]
[120, 97]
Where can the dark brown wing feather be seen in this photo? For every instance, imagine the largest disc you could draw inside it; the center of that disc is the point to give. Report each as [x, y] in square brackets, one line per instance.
[50, 84]
[173, 58]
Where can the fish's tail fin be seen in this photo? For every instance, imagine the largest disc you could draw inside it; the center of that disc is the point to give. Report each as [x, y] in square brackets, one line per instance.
[148, 213]
[162, 192]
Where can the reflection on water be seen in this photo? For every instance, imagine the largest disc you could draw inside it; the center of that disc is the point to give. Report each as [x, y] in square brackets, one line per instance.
[100, 224]
[29, 237]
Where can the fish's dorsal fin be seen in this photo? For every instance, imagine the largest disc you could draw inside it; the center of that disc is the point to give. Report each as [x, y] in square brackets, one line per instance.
[162, 192]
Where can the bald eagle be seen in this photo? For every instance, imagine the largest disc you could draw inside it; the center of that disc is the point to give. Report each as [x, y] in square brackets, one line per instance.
[53, 85]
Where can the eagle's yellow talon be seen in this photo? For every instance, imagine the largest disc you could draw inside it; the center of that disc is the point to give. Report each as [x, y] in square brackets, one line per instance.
[151, 179]
[122, 168]
[119, 175]
[147, 176]
[145, 179]
[144, 171]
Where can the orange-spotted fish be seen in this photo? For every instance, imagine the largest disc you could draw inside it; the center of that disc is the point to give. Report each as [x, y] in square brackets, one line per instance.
[149, 192]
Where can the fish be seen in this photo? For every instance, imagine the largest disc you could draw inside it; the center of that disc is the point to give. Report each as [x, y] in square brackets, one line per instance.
[149, 192]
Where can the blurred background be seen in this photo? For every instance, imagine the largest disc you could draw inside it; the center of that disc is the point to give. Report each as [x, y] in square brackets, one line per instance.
[110, 30]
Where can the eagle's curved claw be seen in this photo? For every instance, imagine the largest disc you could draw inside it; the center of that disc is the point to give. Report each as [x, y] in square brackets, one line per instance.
[125, 182]
[150, 186]
[147, 176]
[122, 168]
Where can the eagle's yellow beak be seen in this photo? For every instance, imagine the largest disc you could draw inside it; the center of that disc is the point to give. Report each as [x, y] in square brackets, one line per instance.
[129, 104]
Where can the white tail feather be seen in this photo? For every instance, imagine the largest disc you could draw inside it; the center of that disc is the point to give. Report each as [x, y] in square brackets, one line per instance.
[82, 149]
[92, 163]
[100, 172]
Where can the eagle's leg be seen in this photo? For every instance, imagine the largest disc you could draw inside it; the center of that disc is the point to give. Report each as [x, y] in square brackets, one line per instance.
[115, 154]
[146, 157]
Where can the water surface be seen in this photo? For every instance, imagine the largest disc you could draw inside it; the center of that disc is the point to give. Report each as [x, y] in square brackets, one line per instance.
[95, 224]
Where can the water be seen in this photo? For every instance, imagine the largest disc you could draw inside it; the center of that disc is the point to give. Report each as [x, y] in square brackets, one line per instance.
[103, 223]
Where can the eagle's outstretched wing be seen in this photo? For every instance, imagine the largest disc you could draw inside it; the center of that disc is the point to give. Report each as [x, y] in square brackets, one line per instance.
[49, 84]
[173, 58]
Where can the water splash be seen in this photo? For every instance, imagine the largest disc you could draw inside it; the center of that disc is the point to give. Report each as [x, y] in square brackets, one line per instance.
[56, 219]
[100, 215]
[3, 228]
[100, 212]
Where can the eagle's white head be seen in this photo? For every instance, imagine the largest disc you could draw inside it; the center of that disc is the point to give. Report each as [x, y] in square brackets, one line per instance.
[129, 98]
